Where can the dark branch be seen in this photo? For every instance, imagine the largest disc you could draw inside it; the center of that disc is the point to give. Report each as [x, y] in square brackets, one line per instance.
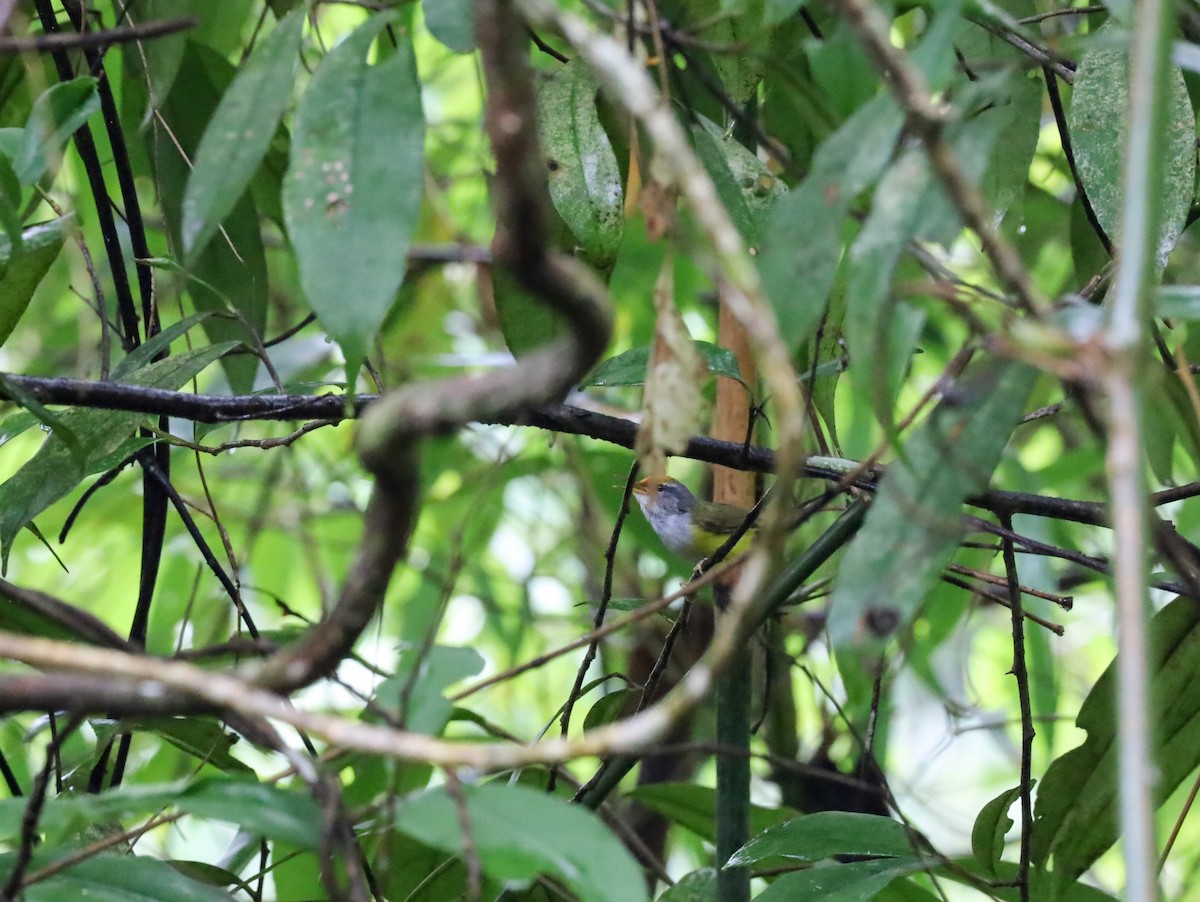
[49, 43]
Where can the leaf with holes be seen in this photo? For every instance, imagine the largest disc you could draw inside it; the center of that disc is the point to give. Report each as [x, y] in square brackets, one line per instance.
[352, 192]
[585, 181]
[1097, 118]
[913, 529]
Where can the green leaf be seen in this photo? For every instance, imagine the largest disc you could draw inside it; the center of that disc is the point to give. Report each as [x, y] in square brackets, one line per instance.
[912, 529]
[520, 833]
[203, 738]
[38, 413]
[526, 321]
[55, 116]
[693, 807]
[857, 881]
[826, 834]
[1019, 109]
[607, 709]
[1177, 302]
[584, 179]
[353, 188]
[22, 269]
[452, 22]
[149, 349]
[802, 243]
[698, 886]
[901, 206]
[290, 816]
[10, 198]
[54, 471]
[746, 187]
[1076, 815]
[230, 274]
[991, 826]
[629, 367]
[239, 133]
[116, 878]
[1097, 119]
[428, 709]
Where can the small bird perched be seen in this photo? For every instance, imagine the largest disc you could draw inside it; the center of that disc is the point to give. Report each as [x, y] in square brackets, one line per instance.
[689, 527]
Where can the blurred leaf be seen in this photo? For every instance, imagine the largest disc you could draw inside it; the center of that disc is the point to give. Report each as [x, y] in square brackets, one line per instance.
[1076, 815]
[452, 22]
[290, 816]
[1097, 119]
[826, 834]
[56, 115]
[353, 188]
[629, 367]
[912, 529]
[204, 738]
[22, 269]
[776, 11]
[10, 197]
[693, 807]
[856, 881]
[607, 709]
[585, 181]
[554, 838]
[54, 471]
[239, 133]
[109, 877]
[426, 707]
[1177, 302]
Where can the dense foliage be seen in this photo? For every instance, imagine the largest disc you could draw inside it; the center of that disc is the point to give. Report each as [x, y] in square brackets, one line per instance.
[328, 332]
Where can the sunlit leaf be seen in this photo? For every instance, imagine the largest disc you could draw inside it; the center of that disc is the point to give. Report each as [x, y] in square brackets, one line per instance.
[22, 269]
[54, 471]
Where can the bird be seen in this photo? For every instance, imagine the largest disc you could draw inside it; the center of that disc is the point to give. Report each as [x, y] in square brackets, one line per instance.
[689, 527]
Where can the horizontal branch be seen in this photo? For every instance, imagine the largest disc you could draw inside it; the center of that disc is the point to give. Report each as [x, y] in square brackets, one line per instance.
[561, 418]
[48, 43]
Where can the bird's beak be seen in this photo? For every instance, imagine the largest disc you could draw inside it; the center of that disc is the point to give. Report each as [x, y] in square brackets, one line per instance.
[642, 487]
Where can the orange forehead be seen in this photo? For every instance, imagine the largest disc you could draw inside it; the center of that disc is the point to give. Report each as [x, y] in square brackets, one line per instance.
[651, 484]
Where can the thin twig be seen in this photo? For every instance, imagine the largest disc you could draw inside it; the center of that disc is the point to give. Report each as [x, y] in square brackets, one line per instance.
[1020, 672]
